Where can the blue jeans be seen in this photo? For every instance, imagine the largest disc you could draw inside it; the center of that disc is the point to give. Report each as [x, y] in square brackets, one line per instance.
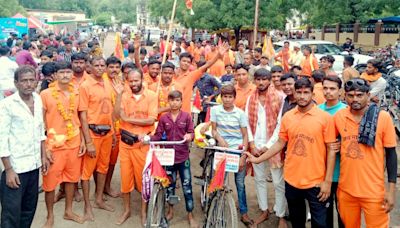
[297, 206]
[19, 205]
[186, 180]
[241, 190]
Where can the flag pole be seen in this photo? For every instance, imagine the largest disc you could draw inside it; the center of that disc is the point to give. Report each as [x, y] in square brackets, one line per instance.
[171, 22]
[255, 24]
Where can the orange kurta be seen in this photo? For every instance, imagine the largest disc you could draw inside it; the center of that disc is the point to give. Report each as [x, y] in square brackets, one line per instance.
[284, 55]
[218, 68]
[309, 65]
[242, 94]
[148, 80]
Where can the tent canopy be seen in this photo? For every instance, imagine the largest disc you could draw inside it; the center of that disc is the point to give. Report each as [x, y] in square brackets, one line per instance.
[392, 19]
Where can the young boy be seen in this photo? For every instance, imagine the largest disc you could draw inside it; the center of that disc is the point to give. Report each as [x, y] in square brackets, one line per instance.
[178, 125]
[229, 128]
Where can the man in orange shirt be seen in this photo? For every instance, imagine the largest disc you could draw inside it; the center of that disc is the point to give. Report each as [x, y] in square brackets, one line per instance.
[244, 88]
[309, 62]
[367, 138]
[165, 87]
[218, 68]
[327, 64]
[187, 78]
[318, 76]
[60, 110]
[309, 133]
[151, 77]
[137, 109]
[283, 56]
[113, 73]
[198, 52]
[96, 109]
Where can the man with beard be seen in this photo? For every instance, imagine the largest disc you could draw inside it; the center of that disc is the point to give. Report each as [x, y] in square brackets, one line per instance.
[374, 79]
[113, 75]
[332, 90]
[137, 109]
[165, 87]
[367, 138]
[187, 78]
[263, 109]
[308, 132]
[151, 77]
[95, 109]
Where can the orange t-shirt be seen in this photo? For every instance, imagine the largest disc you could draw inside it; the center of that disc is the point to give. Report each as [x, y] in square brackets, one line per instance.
[306, 135]
[143, 108]
[95, 98]
[242, 94]
[197, 53]
[319, 97]
[148, 80]
[218, 68]
[362, 168]
[54, 119]
[306, 68]
[77, 84]
[186, 82]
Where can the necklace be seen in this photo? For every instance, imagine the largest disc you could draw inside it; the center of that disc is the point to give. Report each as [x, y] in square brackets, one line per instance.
[66, 114]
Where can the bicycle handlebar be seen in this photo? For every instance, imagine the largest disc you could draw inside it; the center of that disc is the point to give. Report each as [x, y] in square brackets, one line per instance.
[165, 142]
[224, 149]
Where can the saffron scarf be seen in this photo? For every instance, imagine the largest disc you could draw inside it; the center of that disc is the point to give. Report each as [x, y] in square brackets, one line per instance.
[371, 78]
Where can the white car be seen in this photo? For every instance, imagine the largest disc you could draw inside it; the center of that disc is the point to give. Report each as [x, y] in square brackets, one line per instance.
[322, 48]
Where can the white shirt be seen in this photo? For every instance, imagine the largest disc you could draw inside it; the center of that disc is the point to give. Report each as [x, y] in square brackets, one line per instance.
[295, 58]
[260, 137]
[378, 88]
[7, 69]
[21, 133]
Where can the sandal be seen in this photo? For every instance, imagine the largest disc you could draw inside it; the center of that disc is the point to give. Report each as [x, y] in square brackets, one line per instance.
[247, 223]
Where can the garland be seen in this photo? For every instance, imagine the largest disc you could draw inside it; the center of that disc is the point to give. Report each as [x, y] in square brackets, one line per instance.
[66, 115]
[113, 98]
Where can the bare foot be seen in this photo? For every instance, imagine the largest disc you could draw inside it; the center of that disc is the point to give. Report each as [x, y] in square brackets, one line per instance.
[264, 216]
[74, 217]
[102, 205]
[282, 223]
[60, 195]
[144, 220]
[49, 223]
[88, 216]
[170, 215]
[105, 198]
[77, 196]
[112, 193]
[123, 217]
[193, 223]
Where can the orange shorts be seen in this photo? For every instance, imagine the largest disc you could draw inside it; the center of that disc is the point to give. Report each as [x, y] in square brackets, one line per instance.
[101, 162]
[133, 159]
[115, 151]
[350, 211]
[65, 168]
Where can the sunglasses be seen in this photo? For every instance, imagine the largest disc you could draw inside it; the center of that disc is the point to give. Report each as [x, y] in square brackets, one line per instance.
[358, 84]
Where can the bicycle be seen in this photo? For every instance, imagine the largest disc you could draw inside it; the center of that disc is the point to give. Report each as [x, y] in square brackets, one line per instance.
[159, 195]
[222, 210]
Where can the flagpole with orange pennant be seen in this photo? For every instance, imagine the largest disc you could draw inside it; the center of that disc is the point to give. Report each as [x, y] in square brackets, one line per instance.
[119, 50]
[217, 182]
[171, 23]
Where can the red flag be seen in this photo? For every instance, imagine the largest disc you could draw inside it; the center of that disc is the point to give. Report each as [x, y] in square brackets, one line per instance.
[189, 6]
[119, 50]
[217, 181]
[197, 101]
[158, 172]
[208, 115]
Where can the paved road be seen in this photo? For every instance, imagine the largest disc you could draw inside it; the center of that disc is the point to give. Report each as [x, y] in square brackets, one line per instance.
[107, 219]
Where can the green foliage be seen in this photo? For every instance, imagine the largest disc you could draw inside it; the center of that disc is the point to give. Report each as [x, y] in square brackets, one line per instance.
[103, 19]
[9, 8]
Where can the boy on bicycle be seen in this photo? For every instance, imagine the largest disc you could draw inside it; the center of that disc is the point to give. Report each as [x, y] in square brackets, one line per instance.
[229, 128]
[178, 125]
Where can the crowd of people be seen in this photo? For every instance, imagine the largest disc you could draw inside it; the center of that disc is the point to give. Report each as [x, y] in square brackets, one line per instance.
[74, 114]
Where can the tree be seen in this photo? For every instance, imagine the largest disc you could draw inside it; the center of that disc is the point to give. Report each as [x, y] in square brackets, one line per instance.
[9, 8]
[103, 19]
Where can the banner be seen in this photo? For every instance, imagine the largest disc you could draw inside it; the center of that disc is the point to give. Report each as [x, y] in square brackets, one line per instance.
[13, 25]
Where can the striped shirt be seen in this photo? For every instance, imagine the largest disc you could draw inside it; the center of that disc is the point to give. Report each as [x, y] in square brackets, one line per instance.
[229, 124]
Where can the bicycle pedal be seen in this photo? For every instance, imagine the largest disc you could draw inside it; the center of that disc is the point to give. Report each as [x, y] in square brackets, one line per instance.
[199, 181]
[173, 199]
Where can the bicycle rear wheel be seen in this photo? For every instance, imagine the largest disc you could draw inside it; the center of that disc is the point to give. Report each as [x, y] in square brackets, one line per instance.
[156, 207]
[222, 212]
[207, 174]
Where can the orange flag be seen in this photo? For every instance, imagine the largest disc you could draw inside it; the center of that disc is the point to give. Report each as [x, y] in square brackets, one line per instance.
[189, 6]
[268, 47]
[158, 172]
[217, 181]
[119, 50]
[197, 101]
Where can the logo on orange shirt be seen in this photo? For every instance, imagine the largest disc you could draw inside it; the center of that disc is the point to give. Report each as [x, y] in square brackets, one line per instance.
[353, 151]
[105, 106]
[299, 148]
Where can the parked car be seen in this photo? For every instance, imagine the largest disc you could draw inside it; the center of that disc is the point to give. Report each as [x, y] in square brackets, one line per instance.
[322, 47]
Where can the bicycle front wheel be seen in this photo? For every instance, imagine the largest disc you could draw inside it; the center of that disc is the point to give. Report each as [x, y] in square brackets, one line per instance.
[207, 174]
[222, 212]
[156, 209]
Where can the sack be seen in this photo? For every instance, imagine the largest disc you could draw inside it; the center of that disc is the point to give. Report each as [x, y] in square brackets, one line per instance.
[100, 129]
[128, 138]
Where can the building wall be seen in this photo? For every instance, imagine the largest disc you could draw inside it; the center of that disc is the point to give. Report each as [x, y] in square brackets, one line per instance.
[365, 40]
[57, 15]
